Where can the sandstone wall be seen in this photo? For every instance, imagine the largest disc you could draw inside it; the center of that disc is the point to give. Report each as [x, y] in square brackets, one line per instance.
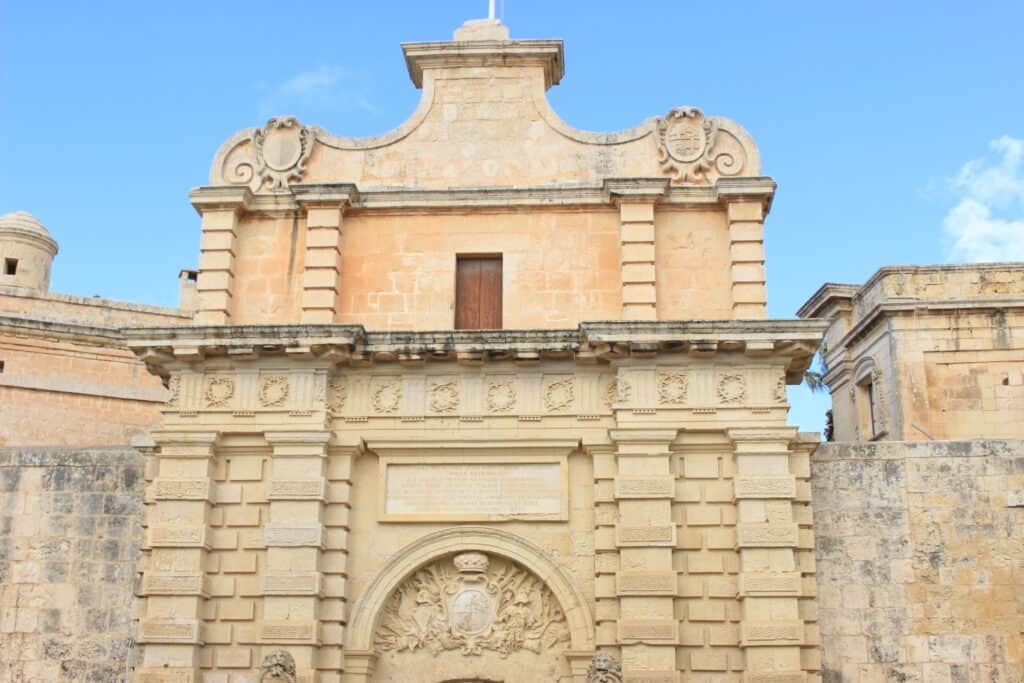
[70, 529]
[919, 550]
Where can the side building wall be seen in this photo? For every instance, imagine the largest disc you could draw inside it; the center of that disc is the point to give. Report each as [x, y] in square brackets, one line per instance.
[918, 550]
[70, 531]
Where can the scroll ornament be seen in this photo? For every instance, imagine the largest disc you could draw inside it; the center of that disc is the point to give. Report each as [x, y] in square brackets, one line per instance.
[503, 608]
[693, 147]
[276, 156]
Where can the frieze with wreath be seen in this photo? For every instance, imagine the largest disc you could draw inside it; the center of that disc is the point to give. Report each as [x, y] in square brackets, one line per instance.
[559, 395]
[443, 397]
[219, 391]
[273, 391]
[501, 396]
[732, 388]
[387, 396]
[673, 387]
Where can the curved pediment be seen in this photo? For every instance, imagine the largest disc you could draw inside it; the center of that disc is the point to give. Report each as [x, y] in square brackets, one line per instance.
[484, 120]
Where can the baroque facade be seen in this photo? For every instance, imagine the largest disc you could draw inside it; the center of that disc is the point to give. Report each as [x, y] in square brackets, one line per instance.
[485, 398]
[342, 476]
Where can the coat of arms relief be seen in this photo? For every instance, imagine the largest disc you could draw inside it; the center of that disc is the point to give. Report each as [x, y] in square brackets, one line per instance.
[695, 149]
[472, 603]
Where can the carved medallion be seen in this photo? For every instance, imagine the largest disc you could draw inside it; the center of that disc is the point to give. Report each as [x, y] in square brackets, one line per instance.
[672, 387]
[691, 147]
[443, 397]
[219, 391]
[387, 396]
[501, 396]
[282, 148]
[482, 605]
[732, 387]
[337, 393]
[559, 395]
[273, 391]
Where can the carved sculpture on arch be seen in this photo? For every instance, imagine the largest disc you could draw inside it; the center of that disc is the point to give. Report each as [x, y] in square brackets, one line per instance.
[468, 549]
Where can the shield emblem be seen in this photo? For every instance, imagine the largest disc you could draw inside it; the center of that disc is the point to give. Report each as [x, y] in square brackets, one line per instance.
[685, 138]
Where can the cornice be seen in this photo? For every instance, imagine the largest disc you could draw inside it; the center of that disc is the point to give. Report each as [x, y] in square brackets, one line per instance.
[591, 342]
[610, 192]
[828, 293]
[547, 54]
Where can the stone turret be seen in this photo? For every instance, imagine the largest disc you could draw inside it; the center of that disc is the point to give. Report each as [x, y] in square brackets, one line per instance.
[26, 252]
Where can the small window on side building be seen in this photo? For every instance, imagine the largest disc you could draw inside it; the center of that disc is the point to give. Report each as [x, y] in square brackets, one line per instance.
[10, 266]
[478, 295]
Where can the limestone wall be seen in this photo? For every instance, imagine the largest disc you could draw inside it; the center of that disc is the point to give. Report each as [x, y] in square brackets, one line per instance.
[918, 550]
[70, 529]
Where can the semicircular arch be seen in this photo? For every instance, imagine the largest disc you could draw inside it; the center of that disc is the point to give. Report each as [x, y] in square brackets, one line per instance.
[368, 608]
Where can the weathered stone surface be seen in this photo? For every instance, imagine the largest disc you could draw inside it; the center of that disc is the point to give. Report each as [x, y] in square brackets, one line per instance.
[70, 532]
[917, 555]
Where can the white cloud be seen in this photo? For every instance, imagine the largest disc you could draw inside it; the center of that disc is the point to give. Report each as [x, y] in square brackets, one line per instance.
[327, 86]
[988, 223]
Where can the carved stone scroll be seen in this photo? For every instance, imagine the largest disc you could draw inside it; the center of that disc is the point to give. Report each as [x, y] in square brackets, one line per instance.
[695, 148]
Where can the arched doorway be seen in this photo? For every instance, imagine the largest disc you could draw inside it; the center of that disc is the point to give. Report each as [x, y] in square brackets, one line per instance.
[469, 604]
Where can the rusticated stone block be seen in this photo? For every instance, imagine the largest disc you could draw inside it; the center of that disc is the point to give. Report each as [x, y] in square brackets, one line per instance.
[764, 486]
[646, 583]
[771, 633]
[169, 631]
[655, 535]
[644, 487]
[767, 535]
[649, 630]
[294, 535]
[770, 585]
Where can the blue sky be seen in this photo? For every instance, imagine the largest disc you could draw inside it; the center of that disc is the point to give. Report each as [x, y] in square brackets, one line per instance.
[893, 128]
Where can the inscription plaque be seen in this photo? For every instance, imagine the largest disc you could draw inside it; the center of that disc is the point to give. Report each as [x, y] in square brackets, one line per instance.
[473, 491]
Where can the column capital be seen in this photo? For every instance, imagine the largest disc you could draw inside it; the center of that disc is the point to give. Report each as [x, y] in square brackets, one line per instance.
[646, 190]
[181, 444]
[221, 198]
[645, 436]
[298, 443]
[339, 195]
[747, 189]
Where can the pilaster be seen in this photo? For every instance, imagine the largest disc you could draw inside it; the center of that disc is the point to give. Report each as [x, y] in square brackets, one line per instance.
[645, 537]
[325, 206]
[772, 629]
[636, 198]
[220, 208]
[174, 582]
[747, 201]
[294, 617]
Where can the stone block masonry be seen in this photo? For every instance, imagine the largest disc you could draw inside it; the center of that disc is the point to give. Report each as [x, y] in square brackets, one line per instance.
[70, 530]
[919, 560]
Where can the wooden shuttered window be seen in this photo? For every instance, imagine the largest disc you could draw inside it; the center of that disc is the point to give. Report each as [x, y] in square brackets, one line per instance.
[478, 293]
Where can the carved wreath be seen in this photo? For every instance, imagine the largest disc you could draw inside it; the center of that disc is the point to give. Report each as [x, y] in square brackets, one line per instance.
[732, 388]
[686, 147]
[387, 397]
[444, 397]
[219, 391]
[617, 391]
[672, 387]
[174, 391]
[559, 395]
[501, 396]
[273, 391]
[337, 393]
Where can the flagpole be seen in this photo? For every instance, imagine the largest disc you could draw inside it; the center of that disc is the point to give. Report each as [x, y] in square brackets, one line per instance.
[490, 9]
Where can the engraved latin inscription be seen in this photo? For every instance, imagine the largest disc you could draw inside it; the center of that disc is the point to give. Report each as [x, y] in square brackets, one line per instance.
[474, 489]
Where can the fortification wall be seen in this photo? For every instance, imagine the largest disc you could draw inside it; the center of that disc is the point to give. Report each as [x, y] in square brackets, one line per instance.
[918, 549]
[70, 531]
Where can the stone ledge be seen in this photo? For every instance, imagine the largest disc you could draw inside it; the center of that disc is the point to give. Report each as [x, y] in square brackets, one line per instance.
[64, 456]
[838, 451]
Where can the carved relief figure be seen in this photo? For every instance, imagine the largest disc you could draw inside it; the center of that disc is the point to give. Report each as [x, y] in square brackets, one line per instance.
[500, 608]
[604, 668]
[279, 666]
